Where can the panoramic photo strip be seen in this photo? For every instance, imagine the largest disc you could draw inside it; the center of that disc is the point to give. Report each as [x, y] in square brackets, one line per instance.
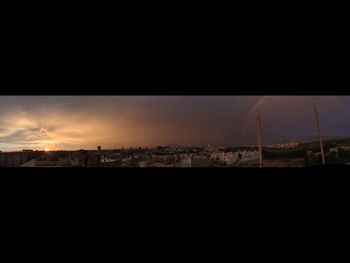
[174, 131]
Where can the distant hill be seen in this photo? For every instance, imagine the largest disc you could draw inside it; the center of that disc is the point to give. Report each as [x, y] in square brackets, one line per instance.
[314, 138]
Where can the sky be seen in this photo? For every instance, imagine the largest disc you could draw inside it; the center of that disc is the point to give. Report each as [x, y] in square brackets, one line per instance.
[84, 122]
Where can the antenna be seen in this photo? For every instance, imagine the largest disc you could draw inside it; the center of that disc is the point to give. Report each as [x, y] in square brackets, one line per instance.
[258, 120]
[319, 132]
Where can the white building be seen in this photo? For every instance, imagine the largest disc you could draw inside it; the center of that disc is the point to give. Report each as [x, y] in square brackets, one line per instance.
[335, 149]
[248, 155]
[347, 148]
[217, 156]
[229, 158]
[185, 162]
[289, 145]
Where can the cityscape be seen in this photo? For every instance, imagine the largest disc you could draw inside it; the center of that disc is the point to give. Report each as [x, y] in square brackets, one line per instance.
[201, 131]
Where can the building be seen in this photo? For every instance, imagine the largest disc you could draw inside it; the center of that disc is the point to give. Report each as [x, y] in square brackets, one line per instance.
[30, 163]
[115, 155]
[335, 149]
[230, 158]
[158, 158]
[346, 148]
[200, 161]
[170, 160]
[290, 145]
[14, 159]
[147, 158]
[114, 163]
[309, 153]
[45, 163]
[248, 155]
[74, 160]
[142, 164]
[185, 162]
[127, 162]
[217, 156]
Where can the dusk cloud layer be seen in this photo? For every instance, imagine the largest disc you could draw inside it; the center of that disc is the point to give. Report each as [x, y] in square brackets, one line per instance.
[75, 122]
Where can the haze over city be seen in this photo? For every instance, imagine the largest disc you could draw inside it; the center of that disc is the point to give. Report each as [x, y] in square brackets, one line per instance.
[83, 122]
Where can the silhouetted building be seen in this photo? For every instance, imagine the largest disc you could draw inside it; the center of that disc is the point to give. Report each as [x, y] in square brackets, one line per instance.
[201, 162]
[14, 159]
[99, 155]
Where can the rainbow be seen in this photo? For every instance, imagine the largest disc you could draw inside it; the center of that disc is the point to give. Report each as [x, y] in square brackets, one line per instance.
[260, 101]
[252, 110]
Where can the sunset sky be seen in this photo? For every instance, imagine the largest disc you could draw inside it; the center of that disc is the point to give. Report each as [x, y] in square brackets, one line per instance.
[76, 122]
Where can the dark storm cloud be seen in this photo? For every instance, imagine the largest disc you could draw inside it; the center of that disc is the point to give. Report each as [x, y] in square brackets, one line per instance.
[199, 119]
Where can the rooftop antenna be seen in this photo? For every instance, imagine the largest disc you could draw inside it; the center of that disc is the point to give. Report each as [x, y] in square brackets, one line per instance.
[258, 120]
[98, 156]
[319, 133]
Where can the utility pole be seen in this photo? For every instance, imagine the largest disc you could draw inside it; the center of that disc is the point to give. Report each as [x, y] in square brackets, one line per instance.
[319, 133]
[258, 120]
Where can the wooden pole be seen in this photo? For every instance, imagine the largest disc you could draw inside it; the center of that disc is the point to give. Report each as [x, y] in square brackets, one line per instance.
[259, 138]
[319, 133]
